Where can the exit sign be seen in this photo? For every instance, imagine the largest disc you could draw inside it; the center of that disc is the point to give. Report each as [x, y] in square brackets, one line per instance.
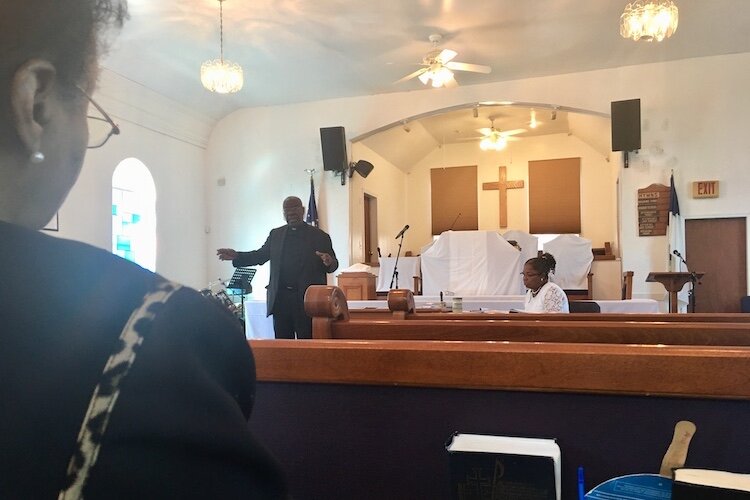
[706, 189]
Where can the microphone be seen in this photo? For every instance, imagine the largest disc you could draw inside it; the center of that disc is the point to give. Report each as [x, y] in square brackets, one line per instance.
[454, 221]
[401, 233]
[677, 253]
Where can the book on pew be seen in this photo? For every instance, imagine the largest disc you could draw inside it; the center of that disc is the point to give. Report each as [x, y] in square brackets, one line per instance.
[704, 484]
[484, 467]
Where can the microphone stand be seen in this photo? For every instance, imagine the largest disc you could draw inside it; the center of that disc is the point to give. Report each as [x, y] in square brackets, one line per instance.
[693, 281]
[395, 264]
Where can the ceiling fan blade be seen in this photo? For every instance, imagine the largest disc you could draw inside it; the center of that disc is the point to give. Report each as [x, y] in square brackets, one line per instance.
[446, 55]
[450, 83]
[424, 77]
[476, 68]
[412, 75]
[511, 138]
[484, 131]
[512, 132]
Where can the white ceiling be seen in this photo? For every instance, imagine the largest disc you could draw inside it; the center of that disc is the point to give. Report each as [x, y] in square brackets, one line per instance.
[304, 50]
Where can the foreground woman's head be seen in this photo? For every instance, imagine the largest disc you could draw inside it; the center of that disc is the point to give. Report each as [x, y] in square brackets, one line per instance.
[48, 55]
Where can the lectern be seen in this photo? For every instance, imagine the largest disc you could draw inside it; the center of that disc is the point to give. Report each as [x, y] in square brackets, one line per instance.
[673, 282]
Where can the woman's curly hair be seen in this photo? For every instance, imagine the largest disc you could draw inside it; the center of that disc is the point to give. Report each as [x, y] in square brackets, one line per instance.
[544, 264]
[71, 34]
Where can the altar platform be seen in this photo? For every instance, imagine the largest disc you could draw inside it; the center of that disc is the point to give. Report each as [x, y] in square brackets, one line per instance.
[261, 327]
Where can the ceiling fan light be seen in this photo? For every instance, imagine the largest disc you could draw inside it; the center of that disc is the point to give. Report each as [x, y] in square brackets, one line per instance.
[533, 123]
[493, 142]
[649, 20]
[440, 76]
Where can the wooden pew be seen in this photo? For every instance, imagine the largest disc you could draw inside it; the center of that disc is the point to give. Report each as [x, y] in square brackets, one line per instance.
[368, 419]
[331, 320]
[401, 306]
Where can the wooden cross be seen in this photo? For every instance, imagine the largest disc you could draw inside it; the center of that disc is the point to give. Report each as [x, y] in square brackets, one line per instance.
[502, 185]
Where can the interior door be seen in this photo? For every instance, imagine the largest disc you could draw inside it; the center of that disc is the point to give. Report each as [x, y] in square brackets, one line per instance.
[717, 247]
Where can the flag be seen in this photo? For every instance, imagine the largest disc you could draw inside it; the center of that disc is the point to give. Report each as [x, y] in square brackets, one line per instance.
[676, 241]
[312, 208]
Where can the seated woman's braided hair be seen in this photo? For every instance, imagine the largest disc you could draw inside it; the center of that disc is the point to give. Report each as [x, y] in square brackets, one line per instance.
[544, 265]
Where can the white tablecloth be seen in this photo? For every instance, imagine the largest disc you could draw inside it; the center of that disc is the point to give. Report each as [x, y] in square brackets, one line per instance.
[258, 326]
[506, 303]
[408, 267]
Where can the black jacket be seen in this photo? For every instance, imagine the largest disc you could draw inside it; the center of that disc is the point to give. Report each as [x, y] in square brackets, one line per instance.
[179, 426]
[313, 271]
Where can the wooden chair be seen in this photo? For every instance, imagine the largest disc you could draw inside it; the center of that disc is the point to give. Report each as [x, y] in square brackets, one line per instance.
[627, 285]
[575, 294]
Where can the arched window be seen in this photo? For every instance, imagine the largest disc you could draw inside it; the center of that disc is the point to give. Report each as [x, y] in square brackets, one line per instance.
[134, 213]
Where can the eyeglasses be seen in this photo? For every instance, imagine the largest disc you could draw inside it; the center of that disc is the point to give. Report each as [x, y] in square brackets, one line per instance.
[101, 128]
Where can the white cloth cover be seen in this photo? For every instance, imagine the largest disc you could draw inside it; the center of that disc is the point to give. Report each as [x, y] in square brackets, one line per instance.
[529, 248]
[471, 263]
[573, 256]
[357, 268]
[408, 267]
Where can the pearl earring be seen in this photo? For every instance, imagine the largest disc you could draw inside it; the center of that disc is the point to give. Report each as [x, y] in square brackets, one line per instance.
[36, 157]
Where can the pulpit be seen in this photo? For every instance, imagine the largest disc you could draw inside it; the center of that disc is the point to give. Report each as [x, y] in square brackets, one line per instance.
[673, 282]
[357, 286]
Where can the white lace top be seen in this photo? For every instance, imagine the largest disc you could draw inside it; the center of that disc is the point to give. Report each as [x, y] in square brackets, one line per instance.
[551, 298]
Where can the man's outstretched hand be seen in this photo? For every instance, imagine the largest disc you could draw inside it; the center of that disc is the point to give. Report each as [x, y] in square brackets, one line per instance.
[226, 253]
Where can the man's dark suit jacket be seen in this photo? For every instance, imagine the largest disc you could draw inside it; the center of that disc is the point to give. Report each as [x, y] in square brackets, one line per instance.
[313, 270]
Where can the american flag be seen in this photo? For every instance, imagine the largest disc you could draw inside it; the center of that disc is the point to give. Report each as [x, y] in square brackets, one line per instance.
[312, 209]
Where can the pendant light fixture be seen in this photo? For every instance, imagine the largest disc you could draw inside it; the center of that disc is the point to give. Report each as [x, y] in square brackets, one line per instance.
[649, 20]
[220, 75]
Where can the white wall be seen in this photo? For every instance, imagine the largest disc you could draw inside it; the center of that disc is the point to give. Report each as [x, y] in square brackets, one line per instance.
[387, 184]
[170, 140]
[694, 114]
[598, 190]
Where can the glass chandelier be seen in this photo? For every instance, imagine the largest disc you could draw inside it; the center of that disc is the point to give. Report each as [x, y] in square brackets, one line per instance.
[649, 20]
[220, 75]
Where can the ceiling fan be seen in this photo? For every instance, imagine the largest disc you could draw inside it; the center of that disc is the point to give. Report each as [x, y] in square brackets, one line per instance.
[495, 140]
[439, 66]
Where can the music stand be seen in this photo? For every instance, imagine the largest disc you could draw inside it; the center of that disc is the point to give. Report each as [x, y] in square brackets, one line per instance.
[240, 281]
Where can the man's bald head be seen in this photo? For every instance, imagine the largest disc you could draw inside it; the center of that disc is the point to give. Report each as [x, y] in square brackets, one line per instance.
[294, 211]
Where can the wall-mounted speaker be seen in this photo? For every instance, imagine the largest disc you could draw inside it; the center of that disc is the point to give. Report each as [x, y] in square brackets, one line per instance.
[626, 125]
[333, 143]
[362, 167]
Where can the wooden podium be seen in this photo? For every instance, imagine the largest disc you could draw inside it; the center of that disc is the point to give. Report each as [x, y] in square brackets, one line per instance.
[357, 286]
[673, 282]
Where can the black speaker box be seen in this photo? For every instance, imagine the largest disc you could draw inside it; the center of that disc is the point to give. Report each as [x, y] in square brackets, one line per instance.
[333, 142]
[626, 125]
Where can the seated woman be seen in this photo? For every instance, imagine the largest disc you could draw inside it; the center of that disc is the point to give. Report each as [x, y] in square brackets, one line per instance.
[542, 294]
[116, 383]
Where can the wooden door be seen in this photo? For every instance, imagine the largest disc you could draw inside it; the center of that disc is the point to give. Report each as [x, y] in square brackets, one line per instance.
[371, 232]
[717, 247]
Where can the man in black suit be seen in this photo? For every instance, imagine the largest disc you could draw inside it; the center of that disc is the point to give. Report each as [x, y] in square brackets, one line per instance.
[300, 256]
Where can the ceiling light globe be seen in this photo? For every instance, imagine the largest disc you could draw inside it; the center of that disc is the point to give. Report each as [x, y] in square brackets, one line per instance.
[222, 76]
[649, 20]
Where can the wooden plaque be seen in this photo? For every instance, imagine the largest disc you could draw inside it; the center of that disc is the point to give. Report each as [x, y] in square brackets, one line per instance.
[653, 210]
